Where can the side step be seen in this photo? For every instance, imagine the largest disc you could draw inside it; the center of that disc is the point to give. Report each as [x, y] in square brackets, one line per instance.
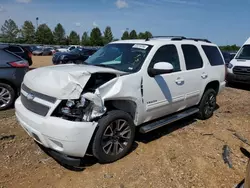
[170, 119]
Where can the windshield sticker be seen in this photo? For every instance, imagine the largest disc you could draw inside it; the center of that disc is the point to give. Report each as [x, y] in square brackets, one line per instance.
[130, 68]
[140, 46]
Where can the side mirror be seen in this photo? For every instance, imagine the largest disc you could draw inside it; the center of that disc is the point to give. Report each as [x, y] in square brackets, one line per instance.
[160, 68]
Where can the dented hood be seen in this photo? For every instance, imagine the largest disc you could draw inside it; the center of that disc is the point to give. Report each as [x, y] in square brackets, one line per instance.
[63, 81]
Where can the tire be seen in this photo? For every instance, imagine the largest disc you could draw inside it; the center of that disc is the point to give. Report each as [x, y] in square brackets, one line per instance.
[207, 104]
[108, 147]
[7, 96]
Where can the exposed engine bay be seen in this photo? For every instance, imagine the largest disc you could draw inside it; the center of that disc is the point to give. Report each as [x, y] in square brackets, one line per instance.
[90, 105]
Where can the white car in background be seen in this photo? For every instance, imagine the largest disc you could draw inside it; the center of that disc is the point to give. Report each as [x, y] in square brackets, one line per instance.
[238, 70]
[67, 49]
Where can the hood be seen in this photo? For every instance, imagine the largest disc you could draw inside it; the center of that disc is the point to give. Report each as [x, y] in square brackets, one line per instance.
[240, 62]
[63, 81]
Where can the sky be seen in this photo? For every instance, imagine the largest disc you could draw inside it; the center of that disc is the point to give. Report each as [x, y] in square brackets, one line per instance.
[224, 22]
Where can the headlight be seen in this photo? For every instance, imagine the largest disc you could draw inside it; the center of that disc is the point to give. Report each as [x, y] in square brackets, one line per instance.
[229, 65]
[70, 103]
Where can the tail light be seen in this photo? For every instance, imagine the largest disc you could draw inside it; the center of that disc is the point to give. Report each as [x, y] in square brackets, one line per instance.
[19, 64]
[30, 54]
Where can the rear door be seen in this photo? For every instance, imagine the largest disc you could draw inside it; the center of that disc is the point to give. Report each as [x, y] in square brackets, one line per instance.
[194, 74]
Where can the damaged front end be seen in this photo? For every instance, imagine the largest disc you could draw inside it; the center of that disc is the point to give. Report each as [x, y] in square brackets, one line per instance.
[89, 107]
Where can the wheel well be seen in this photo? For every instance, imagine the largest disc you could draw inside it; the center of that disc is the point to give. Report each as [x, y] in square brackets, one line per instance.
[9, 83]
[124, 105]
[213, 85]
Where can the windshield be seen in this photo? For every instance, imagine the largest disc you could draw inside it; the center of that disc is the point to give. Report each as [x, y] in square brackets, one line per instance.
[76, 51]
[244, 53]
[123, 57]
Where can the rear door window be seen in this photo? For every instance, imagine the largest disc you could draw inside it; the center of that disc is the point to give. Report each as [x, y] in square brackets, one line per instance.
[7, 57]
[192, 57]
[213, 55]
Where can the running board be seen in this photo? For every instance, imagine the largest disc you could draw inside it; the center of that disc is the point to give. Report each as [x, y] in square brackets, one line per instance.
[170, 119]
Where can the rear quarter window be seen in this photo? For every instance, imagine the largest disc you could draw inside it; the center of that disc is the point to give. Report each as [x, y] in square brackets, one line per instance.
[8, 57]
[213, 55]
[15, 49]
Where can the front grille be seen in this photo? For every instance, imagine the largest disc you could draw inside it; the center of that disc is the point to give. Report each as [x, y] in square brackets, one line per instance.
[35, 107]
[240, 70]
[39, 95]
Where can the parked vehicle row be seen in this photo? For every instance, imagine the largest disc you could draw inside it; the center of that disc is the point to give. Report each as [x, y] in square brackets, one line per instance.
[77, 55]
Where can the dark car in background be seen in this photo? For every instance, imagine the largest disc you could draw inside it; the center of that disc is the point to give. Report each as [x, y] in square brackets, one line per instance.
[30, 48]
[78, 55]
[227, 57]
[43, 51]
[12, 71]
[20, 51]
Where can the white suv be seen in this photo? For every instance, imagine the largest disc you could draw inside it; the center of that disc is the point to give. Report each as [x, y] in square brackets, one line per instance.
[238, 70]
[126, 84]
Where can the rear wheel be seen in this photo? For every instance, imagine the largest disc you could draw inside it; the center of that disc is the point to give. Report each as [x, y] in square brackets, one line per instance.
[207, 104]
[7, 96]
[114, 137]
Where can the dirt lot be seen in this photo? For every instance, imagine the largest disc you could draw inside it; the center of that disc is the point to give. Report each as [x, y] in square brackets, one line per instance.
[41, 61]
[185, 154]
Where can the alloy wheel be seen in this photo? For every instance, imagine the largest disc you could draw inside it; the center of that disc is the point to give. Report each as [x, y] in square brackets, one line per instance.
[5, 97]
[116, 137]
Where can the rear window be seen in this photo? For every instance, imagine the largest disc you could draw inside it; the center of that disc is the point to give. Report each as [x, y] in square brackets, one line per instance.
[213, 55]
[8, 57]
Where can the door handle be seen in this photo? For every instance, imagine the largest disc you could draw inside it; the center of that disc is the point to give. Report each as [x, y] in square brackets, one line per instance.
[179, 81]
[204, 75]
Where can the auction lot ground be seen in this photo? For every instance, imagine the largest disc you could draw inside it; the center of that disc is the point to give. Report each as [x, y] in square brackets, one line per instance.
[185, 154]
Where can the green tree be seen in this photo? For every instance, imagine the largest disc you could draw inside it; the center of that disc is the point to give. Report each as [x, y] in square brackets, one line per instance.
[44, 35]
[85, 39]
[28, 32]
[9, 30]
[96, 37]
[148, 34]
[125, 35]
[108, 35]
[133, 34]
[141, 35]
[59, 34]
[74, 38]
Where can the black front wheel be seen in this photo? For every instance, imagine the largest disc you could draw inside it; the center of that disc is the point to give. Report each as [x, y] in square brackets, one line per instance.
[207, 104]
[114, 137]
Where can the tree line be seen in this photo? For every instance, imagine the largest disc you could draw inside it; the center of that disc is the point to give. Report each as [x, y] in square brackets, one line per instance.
[10, 33]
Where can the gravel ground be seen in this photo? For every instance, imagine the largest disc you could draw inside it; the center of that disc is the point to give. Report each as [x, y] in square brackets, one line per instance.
[185, 154]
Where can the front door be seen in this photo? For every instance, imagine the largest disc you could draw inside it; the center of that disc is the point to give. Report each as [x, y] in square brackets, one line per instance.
[164, 94]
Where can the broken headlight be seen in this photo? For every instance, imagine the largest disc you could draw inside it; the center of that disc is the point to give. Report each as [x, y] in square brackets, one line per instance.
[90, 106]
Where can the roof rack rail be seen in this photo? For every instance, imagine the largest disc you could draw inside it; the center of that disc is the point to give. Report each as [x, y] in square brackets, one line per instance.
[171, 37]
[198, 39]
[179, 38]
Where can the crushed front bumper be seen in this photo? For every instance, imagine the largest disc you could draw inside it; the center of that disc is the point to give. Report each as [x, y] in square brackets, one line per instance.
[63, 136]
